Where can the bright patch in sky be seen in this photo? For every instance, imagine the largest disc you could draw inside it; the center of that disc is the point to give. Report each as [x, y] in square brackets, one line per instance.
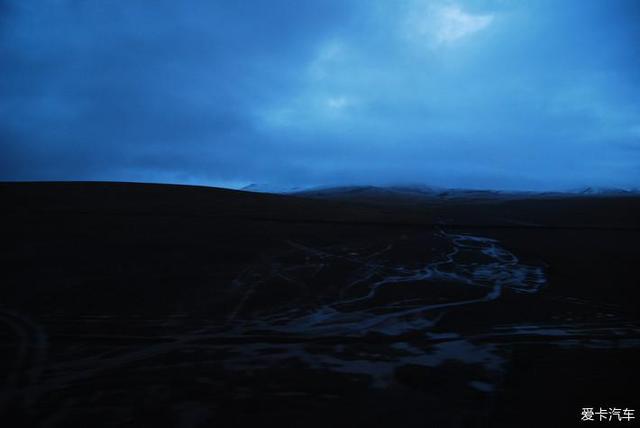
[454, 24]
[444, 24]
[337, 102]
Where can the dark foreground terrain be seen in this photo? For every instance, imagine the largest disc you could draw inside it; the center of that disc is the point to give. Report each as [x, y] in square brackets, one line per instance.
[175, 306]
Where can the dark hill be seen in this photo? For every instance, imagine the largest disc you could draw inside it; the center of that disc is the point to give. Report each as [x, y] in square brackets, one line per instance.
[160, 305]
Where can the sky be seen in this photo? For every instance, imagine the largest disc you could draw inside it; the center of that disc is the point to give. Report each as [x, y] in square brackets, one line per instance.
[501, 94]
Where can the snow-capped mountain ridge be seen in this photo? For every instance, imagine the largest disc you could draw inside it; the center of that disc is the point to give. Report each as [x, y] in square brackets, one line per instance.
[423, 190]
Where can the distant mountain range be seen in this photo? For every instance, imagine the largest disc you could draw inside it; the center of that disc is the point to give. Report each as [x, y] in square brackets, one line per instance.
[272, 188]
[605, 191]
[423, 191]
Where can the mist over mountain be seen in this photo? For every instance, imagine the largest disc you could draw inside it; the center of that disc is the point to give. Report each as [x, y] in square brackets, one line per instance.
[425, 191]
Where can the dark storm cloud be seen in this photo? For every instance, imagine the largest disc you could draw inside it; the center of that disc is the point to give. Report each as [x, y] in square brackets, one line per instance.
[102, 89]
[471, 93]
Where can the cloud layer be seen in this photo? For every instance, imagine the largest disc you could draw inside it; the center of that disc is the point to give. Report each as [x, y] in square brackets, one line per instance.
[501, 94]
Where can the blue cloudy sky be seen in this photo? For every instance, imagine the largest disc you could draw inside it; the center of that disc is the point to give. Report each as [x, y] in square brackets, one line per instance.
[537, 94]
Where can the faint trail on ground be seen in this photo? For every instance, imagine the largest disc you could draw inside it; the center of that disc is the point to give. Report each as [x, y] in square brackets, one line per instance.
[29, 361]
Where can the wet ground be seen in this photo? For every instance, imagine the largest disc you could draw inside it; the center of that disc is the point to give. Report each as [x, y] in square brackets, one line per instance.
[315, 324]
